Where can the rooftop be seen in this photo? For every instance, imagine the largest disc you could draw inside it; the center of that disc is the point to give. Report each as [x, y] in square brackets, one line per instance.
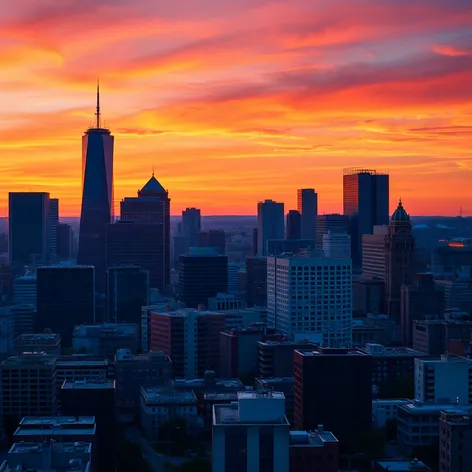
[445, 358]
[125, 355]
[165, 396]
[316, 438]
[57, 420]
[419, 407]
[89, 384]
[332, 352]
[185, 312]
[81, 362]
[403, 465]
[106, 329]
[228, 396]
[274, 380]
[38, 338]
[213, 383]
[380, 350]
[29, 358]
[34, 447]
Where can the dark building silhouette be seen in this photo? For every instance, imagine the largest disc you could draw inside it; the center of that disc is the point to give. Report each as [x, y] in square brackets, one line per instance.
[256, 281]
[53, 222]
[6, 283]
[65, 298]
[333, 387]
[95, 398]
[127, 292]
[421, 300]
[270, 224]
[399, 265]
[275, 247]
[450, 256]
[65, 239]
[255, 238]
[333, 222]
[307, 206]
[202, 275]
[97, 197]
[213, 238]
[191, 224]
[294, 225]
[365, 201]
[28, 229]
[455, 431]
[181, 245]
[367, 295]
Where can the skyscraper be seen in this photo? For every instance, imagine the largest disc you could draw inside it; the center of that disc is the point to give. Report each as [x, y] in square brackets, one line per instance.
[365, 201]
[53, 221]
[191, 224]
[330, 222]
[307, 206]
[97, 196]
[294, 225]
[213, 238]
[145, 219]
[28, 215]
[270, 224]
[64, 241]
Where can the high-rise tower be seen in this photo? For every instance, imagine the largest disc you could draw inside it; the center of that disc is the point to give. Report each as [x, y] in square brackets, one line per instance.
[97, 196]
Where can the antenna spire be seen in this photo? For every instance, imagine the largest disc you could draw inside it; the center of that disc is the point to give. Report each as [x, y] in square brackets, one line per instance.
[153, 170]
[97, 113]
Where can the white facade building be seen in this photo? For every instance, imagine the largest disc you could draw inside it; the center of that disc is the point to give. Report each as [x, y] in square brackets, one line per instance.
[311, 297]
[444, 380]
[337, 245]
[256, 421]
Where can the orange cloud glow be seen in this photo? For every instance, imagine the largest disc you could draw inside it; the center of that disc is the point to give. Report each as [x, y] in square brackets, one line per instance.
[234, 102]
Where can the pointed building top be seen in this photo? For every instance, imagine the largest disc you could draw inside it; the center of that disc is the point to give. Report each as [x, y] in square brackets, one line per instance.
[152, 187]
[400, 214]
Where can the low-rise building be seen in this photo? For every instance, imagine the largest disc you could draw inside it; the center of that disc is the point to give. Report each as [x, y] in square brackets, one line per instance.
[399, 465]
[49, 343]
[279, 384]
[313, 447]
[384, 410]
[159, 406]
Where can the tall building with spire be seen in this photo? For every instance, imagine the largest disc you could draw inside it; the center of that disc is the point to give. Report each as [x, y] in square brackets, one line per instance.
[97, 196]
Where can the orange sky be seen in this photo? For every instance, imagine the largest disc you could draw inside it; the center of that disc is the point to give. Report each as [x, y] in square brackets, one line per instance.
[238, 101]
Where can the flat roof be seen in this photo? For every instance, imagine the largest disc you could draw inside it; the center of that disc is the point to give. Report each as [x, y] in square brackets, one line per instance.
[57, 420]
[35, 447]
[39, 337]
[89, 384]
[229, 414]
[400, 465]
[117, 329]
[311, 439]
[418, 407]
[163, 396]
[333, 352]
[80, 362]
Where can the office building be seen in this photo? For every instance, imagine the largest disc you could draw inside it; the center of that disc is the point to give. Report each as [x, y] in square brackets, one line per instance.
[279, 384]
[434, 336]
[202, 274]
[104, 340]
[190, 338]
[159, 406]
[6, 283]
[134, 371]
[337, 245]
[28, 230]
[399, 465]
[233, 277]
[53, 221]
[443, 380]
[365, 202]
[95, 398]
[7, 333]
[49, 457]
[307, 206]
[56, 428]
[276, 247]
[181, 246]
[374, 263]
[256, 270]
[310, 297]
[451, 255]
[48, 343]
[385, 410]
[344, 410]
[127, 292]
[333, 222]
[255, 424]
[28, 386]
[191, 225]
[215, 238]
[142, 237]
[275, 357]
[367, 296]
[97, 196]
[66, 298]
[294, 225]
[25, 288]
[226, 302]
[318, 447]
[65, 245]
[457, 293]
[270, 224]
[255, 239]
[455, 432]
[23, 318]
[422, 300]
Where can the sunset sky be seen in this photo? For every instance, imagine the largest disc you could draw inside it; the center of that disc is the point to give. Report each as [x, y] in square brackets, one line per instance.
[235, 101]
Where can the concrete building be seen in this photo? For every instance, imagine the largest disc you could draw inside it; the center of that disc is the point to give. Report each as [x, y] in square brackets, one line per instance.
[43, 342]
[134, 371]
[337, 245]
[307, 206]
[332, 402]
[447, 379]
[24, 289]
[190, 338]
[270, 224]
[455, 432]
[279, 384]
[23, 318]
[330, 222]
[276, 356]
[28, 386]
[311, 297]
[399, 465]
[49, 457]
[434, 336]
[256, 424]
[245, 317]
[159, 406]
[318, 447]
[56, 428]
[384, 410]
[104, 340]
[225, 302]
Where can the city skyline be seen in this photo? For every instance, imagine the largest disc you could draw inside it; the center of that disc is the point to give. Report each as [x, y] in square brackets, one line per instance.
[235, 103]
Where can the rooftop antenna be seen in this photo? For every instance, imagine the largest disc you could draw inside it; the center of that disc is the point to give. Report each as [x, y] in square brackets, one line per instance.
[97, 113]
[460, 211]
[153, 170]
